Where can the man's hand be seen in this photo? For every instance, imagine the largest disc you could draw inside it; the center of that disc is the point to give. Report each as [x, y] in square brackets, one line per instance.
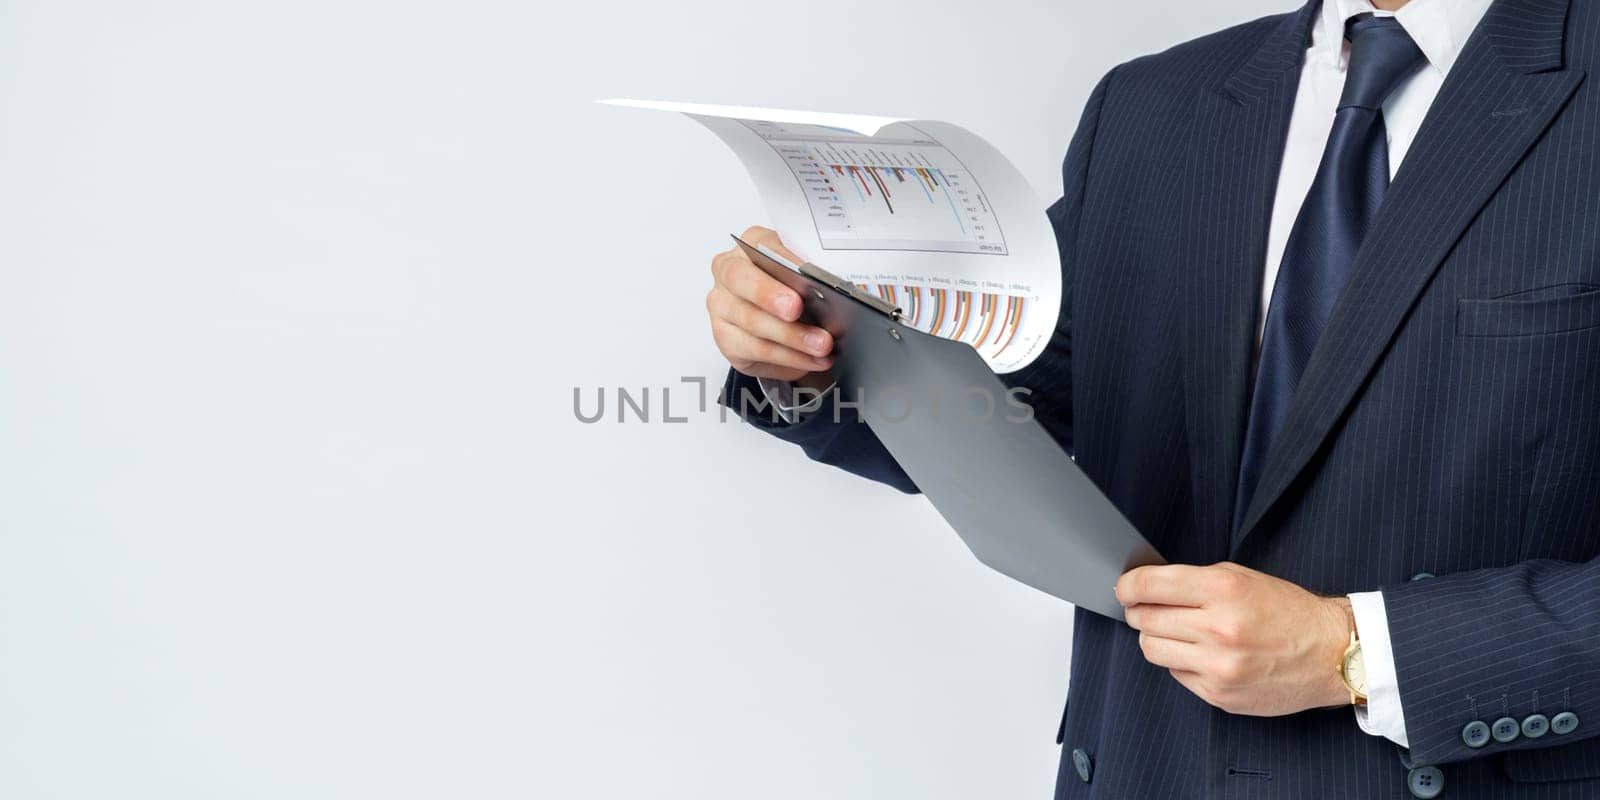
[1242, 640]
[753, 317]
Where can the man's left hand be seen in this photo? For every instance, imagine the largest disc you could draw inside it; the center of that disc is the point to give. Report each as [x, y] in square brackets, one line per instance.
[1242, 640]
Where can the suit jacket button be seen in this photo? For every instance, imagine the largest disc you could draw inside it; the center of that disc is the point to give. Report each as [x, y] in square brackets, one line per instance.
[1565, 722]
[1476, 734]
[1425, 783]
[1421, 576]
[1535, 725]
[1082, 764]
[1505, 729]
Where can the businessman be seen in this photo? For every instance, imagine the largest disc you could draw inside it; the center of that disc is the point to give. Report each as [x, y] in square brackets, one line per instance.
[1330, 337]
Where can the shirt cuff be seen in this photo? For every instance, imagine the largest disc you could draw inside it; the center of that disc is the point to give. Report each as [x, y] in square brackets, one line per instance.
[788, 398]
[1382, 715]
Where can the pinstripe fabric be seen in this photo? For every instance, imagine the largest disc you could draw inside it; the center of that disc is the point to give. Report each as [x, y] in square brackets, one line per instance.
[1448, 422]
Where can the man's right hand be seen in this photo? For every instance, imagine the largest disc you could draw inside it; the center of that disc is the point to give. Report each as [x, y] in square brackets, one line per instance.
[754, 317]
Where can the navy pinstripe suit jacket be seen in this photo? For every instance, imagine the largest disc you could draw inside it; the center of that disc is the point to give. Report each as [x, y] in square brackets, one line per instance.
[1448, 423]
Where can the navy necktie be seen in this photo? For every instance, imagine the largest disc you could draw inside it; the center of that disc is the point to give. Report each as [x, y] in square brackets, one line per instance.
[1344, 197]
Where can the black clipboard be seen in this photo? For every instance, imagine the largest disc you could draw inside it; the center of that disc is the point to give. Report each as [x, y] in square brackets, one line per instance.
[1013, 495]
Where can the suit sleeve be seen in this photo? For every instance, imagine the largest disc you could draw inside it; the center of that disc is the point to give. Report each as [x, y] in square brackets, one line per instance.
[833, 434]
[1498, 660]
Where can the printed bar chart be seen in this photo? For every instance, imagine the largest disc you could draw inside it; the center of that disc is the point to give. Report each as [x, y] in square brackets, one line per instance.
[987, 320]
[875, 193]
[923, 214]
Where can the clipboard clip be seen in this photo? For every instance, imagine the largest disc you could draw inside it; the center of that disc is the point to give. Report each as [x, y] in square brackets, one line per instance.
[817, 273]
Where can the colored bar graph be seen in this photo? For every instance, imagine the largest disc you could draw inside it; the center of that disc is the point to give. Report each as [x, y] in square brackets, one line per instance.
[989, 321]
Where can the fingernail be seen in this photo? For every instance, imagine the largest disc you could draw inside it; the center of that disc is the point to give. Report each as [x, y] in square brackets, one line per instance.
[816, 342]
[786, 304]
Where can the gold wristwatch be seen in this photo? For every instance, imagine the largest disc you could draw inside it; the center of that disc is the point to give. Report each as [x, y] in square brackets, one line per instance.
[1352, 670]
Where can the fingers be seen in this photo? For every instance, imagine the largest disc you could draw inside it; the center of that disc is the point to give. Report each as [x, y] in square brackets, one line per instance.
[1171, 585]
[1220, 695]
[754, 317]
[750, 318]
[1170, 622]
[1171, 653]
[1194, 682]
[1200, 682]
[744, 349]
[735, 272]
[756, 369]
[767, 237]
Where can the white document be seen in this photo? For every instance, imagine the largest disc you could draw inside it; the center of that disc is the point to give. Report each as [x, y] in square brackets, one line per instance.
[925, 215]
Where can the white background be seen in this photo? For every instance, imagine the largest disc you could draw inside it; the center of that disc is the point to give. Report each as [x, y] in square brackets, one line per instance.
[293, 501]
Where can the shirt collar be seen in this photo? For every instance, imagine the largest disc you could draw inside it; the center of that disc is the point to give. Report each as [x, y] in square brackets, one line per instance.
[1439, 27]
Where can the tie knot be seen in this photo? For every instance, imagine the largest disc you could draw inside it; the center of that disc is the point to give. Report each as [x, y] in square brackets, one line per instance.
[1382, 55]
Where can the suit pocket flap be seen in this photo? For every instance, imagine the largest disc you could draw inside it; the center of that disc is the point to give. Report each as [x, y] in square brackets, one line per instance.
[1552, 309]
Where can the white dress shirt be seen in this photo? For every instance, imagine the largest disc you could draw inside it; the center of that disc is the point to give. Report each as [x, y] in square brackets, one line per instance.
[1440, 28]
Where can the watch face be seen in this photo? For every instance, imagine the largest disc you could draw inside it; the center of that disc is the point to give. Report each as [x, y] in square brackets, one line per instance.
[1355, 670]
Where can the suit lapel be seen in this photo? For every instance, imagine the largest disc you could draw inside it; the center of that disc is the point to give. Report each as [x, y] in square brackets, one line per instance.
[1239, 132]
[1501, 95]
